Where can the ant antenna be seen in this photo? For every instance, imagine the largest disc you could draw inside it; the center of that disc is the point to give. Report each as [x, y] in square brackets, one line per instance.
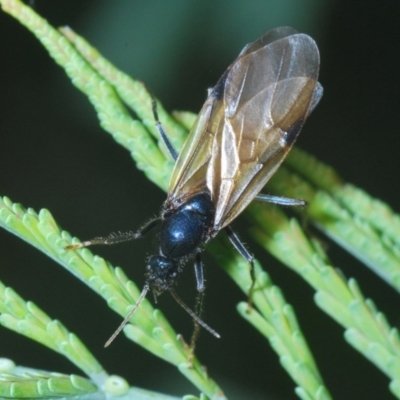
[145, 290]
[126, 320]
[193, 314]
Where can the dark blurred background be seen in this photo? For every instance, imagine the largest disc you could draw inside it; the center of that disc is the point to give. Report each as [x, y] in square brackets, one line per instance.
[54, 155]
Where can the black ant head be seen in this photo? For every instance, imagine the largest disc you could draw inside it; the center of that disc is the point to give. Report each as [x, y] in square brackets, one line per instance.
[161, 273]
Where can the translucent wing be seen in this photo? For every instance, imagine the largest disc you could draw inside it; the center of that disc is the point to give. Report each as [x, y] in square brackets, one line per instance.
[249, 123]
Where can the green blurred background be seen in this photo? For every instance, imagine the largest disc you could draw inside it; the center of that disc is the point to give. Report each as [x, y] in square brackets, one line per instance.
[54, 155]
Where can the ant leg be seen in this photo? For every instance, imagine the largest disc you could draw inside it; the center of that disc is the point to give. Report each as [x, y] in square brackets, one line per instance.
[287, 202]
[163, 135]
[117, 237]
[282, 201]
[197, 321]
[240, 247]
[198, 269]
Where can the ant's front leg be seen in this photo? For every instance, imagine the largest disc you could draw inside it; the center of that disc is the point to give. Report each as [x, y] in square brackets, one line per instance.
[116, 237]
